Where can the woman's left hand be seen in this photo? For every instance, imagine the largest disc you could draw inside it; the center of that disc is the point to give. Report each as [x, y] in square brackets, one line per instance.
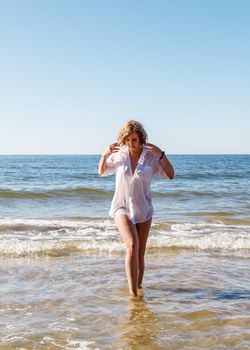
[156, 151]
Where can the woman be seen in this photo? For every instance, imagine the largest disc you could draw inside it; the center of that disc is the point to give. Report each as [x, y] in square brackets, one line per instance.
[135, 162]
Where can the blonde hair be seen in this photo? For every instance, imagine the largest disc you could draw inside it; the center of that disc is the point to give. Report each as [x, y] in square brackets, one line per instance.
[128, 128]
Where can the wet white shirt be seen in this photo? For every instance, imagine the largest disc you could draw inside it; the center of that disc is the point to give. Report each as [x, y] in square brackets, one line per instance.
[133, 192]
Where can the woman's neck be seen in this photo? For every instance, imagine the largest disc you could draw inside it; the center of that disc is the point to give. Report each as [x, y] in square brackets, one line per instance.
[135, 153]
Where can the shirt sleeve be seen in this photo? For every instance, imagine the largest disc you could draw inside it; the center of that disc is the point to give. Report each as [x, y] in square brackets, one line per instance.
[158, 169]
[110, 165]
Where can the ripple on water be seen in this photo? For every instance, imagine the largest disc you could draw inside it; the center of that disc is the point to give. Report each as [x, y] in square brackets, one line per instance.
[191, 300]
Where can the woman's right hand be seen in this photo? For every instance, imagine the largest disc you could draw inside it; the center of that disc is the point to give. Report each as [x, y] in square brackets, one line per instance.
[115, 147]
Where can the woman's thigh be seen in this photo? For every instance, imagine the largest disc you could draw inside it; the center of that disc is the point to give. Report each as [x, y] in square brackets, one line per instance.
[127, 229]
[143, 229]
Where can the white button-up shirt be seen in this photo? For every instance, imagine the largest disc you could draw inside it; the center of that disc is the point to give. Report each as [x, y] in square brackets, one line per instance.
[132, 191]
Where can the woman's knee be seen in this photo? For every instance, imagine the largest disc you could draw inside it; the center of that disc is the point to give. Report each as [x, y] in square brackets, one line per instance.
[132, 246]
[141, 254]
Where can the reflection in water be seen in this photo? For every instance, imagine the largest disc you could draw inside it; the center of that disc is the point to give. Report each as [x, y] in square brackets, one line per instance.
[140, 327]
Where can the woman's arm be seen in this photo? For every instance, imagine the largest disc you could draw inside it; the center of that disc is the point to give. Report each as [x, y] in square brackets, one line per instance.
[103, 161]
[166, 165]
[102, 165]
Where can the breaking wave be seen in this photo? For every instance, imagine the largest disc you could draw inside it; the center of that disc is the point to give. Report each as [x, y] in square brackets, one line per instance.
[28, 237]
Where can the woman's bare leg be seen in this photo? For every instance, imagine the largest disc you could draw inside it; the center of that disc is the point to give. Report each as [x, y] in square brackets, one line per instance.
[142, 231]
[129, 235]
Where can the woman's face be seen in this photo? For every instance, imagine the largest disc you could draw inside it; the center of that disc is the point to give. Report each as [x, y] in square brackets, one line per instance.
[133, 141]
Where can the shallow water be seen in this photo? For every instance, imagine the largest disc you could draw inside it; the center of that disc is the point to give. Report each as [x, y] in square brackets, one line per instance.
[63, 284]
[191, 300]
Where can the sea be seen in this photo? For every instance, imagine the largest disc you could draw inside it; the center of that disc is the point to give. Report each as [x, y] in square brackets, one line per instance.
[62, 277]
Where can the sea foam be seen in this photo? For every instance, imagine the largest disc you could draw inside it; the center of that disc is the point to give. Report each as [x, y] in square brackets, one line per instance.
[28, 237]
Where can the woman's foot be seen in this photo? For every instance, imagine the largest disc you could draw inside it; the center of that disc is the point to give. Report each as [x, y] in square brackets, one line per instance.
[140, 292]
[133, 295]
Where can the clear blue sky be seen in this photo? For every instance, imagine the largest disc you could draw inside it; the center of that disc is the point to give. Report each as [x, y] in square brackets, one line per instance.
[71, 72]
